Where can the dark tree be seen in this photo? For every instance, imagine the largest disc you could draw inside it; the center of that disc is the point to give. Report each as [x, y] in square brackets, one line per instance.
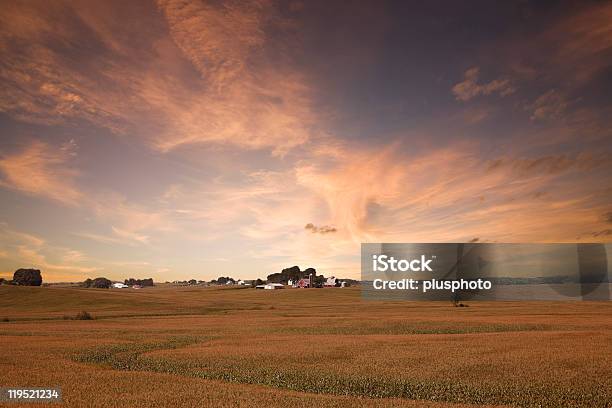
[293, 273]
[319, 281]
[27, 277]
[310, 271]
[101, 283]
[141, 282]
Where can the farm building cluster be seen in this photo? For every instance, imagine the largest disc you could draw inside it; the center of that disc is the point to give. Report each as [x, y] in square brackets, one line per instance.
[292, 277]
[331, 282]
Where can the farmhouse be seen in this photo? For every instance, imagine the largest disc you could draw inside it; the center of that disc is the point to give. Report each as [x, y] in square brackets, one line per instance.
[330, 282]
[120, 285]
[246, 282]
[333, 282]
[272, 286]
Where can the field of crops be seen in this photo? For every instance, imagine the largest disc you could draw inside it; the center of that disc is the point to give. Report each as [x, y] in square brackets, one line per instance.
[169, 346]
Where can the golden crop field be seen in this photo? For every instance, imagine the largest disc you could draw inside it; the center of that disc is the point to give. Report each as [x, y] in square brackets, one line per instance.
[192, 346]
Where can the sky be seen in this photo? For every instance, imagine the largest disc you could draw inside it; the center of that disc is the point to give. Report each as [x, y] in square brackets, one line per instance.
[185, 139]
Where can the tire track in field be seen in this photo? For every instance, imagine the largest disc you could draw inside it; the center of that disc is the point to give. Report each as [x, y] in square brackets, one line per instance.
[131, 356]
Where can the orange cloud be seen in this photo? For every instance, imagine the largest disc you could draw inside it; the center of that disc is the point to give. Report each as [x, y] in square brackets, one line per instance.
[46, 171]
[449, 194]
[582, 41]
[217, 38]
[470, 88]
[24, 249]
[554, 164]
[249, 101]
[236, 97]
[41, 169]
[323, 229]
[550, 105]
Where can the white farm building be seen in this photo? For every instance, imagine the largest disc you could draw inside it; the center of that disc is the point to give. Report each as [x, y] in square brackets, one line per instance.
[272, 286]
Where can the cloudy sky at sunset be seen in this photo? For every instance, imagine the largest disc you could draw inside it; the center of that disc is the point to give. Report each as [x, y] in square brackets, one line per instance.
[186, 139]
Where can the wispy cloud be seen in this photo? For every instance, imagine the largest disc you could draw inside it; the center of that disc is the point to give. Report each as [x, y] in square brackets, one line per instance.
[119, 237]
[131, 236]
[41, 169]
[238, 98]
[580, 42]
[28, 250]
[470, 88]
[218, 38]
[46, 171]
[553, 164]
[450, 194]
[322, 229]
[550, 105]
